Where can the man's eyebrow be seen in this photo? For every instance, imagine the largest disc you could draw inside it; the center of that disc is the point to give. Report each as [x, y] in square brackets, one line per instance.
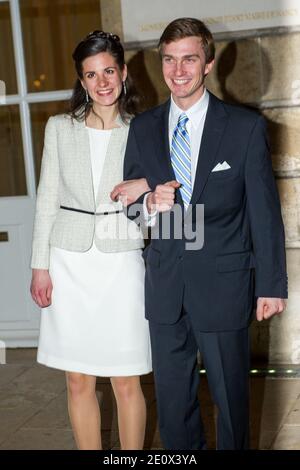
[187, 56]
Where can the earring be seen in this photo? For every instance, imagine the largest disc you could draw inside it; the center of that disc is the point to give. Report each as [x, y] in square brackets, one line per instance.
[124, 88]
[87, 98]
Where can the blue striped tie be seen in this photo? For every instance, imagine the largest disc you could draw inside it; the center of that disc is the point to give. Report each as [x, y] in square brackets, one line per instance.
[181, 158]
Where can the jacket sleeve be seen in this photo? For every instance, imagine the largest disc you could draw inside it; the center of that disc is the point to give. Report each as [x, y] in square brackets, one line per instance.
[47, 203]
[133, 170]
[264, 211]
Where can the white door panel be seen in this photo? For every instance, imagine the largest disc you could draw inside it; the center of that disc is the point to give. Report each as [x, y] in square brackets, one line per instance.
[19, 317]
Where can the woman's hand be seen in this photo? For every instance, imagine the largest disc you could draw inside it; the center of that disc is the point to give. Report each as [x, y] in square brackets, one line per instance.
[129, 191]
[41, 287]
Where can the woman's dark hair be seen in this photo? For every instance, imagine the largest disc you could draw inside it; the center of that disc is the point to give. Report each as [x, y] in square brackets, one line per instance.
[92, 44]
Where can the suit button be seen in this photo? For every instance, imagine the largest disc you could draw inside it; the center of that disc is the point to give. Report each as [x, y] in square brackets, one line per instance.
[180, 257]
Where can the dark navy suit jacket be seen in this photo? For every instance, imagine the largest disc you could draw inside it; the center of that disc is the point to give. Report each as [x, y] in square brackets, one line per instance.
[243, 255]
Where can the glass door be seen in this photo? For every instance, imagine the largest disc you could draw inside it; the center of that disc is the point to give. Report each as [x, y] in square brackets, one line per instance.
[36, 77]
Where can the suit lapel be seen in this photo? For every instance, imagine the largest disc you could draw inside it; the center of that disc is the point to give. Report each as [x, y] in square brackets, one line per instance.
[83, 156]
[215, 123]
[161, 138]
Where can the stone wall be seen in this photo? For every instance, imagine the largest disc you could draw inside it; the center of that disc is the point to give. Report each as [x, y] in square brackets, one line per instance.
[261, 71]
[264, 72]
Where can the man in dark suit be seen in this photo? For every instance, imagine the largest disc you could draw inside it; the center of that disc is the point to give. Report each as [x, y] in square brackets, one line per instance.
[193, 150]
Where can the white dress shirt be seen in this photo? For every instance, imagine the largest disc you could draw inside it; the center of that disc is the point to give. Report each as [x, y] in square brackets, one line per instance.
[195, 125]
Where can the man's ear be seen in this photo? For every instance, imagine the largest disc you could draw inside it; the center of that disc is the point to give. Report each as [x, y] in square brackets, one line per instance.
[208, 67]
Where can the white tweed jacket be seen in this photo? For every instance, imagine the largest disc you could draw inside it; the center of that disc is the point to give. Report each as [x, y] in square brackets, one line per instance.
[66, 180]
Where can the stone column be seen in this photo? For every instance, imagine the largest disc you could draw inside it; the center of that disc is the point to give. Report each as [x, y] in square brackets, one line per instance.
[111, 16]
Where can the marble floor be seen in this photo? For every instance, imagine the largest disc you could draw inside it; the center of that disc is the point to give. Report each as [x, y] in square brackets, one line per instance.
[33, 408]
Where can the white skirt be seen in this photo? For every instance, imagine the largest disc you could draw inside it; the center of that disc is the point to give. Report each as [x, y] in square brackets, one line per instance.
[95, 324]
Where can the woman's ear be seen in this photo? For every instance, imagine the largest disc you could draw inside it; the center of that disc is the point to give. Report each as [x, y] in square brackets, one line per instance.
[124, 73]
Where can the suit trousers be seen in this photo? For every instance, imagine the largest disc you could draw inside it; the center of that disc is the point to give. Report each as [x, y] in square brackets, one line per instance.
[226, 359]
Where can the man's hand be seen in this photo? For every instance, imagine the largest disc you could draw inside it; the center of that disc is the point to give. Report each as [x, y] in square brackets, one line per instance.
[268, 306]
[162, 199]
[41, 287]
[129, 191]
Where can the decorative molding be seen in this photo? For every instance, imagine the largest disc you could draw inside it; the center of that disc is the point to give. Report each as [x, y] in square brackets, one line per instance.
[292, 245]
[280, 103]
[287, 175]
[226, 36]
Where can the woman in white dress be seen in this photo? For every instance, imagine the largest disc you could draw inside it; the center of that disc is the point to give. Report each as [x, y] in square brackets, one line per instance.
[88, 271]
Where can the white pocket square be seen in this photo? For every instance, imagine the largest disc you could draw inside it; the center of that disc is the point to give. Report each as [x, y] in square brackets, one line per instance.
[221, 167]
